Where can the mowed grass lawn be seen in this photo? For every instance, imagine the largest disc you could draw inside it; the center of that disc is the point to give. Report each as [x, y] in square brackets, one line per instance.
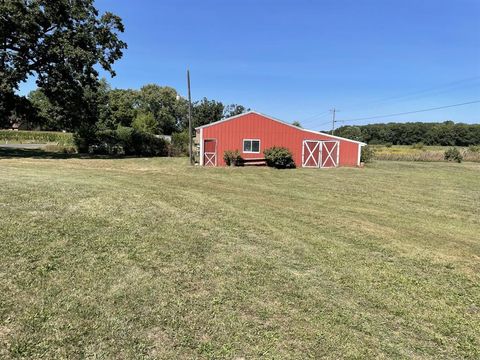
[151, 258]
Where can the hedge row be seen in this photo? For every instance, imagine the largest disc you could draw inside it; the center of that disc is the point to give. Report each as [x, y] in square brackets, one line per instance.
[40, 137]
[444, 134]
[122, 141]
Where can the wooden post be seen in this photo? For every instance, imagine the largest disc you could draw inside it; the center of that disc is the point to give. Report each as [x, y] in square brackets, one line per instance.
[190, 142]
[333, 119]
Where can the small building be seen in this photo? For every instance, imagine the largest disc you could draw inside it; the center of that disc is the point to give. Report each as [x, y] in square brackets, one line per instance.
[251, 133]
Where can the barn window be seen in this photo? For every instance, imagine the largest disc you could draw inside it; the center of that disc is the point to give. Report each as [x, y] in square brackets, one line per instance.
[251, 146]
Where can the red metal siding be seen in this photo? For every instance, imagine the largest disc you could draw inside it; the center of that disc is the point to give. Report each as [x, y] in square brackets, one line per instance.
[230, 135]
[209, 145]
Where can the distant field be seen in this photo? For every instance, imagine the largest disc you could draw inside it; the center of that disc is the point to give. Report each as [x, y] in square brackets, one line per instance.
[150, 258]
[426, 153]
[36, 137]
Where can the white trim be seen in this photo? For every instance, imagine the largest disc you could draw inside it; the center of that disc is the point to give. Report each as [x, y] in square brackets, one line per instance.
[282, 122]
[359, 154]
[201, 147]
[303, 152]
[320, 155]
[311, 153]
[251, 146]
[338, 154]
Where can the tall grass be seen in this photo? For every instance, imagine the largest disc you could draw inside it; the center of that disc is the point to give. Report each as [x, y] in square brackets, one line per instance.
[424, 153]
[40, 137]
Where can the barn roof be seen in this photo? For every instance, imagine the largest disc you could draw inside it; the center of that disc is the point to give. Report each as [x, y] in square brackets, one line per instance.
[280, 121]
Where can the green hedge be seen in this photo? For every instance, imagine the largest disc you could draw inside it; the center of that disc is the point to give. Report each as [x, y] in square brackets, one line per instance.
[122, 141]
[40, 137]
[367, 154]
[179, 146]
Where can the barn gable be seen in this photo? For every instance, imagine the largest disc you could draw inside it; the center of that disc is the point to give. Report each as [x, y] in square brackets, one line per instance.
[277, 120]
[252, 132]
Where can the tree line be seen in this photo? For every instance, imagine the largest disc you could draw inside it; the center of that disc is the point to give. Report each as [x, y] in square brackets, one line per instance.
[62, 44]
[128, 120]
[446, 133]
[153, 109]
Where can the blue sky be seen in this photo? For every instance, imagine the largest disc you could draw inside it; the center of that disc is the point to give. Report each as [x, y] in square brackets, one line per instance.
[295, 59]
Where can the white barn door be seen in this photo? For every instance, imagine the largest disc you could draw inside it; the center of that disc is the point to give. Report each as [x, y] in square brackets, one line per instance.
[311, 153]
[330, 154]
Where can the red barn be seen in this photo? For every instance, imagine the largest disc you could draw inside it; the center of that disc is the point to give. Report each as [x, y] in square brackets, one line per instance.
[251, 133]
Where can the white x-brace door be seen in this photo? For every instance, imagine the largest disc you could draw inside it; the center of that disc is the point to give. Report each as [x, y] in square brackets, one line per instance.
[311, 153]
[209, 159]
[330, 154]
[210, 152]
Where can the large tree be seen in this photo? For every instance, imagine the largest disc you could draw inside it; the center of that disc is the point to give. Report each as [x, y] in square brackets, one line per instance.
[167, 107]
[206, 111]
[233, 110]
[122, 108]
[59, 43]
[45, 116]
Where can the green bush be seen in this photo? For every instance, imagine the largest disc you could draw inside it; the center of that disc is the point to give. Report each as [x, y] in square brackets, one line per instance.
[84, 137]
[148, 145]
[367, 154]
[279, 157]
[179, 146]
[474, 149]
[145, 122]
[388, 144]
[122, 141]
[105, 142]
[40, 137]
[453, 154]
[232, 158]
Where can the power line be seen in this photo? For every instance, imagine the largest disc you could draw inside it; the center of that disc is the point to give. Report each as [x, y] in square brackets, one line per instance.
[410, 112]
[454, 85]
[315, 120]
[316, 115]
[425, 92]
[324, 124]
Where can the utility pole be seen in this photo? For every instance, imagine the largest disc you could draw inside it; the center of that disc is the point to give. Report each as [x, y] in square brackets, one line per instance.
[333, 111]
[190, 144]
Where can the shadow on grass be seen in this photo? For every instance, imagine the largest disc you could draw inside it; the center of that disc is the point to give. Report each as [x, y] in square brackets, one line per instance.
[8, 153]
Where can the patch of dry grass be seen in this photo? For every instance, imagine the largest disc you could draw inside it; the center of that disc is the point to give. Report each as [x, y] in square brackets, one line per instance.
[150, 258]
[425, 153]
